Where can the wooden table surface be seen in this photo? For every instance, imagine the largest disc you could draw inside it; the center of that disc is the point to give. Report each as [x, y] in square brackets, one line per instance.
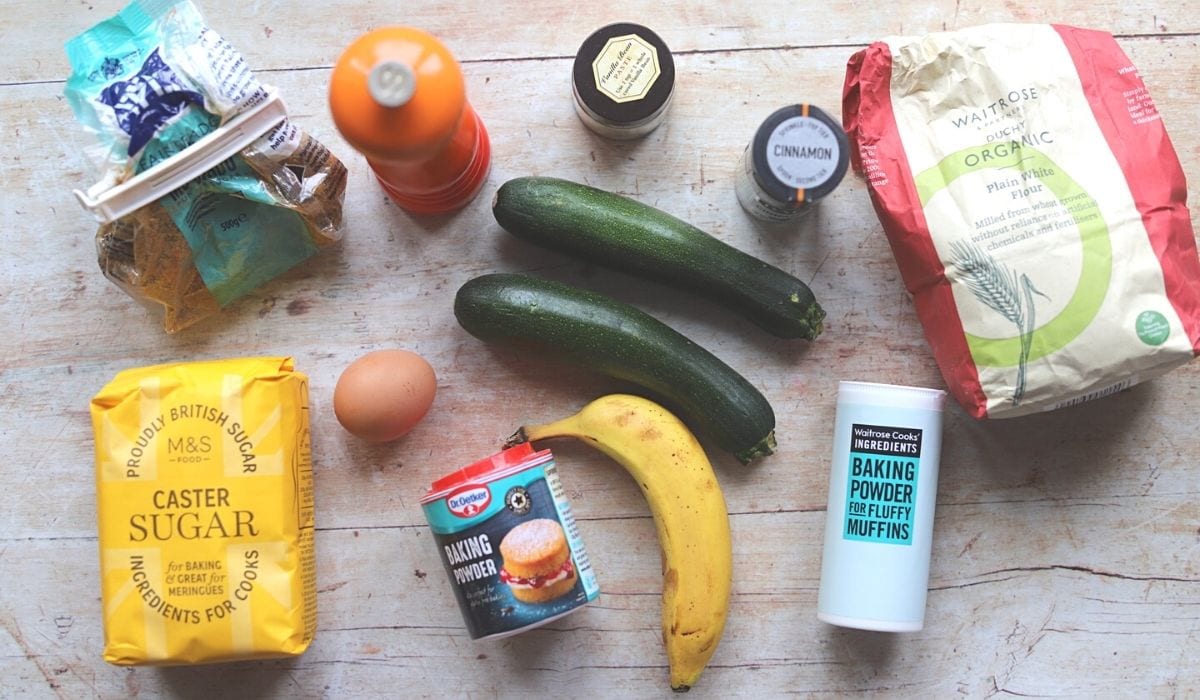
[1067, 545]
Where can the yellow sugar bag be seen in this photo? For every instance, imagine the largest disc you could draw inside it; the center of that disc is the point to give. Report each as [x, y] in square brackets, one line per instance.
[204, 503]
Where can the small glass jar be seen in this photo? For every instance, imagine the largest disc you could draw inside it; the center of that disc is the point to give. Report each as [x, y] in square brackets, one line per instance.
[797, 156]
[623, 80]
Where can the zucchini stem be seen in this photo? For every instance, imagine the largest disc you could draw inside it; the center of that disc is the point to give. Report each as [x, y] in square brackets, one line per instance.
[763, 448]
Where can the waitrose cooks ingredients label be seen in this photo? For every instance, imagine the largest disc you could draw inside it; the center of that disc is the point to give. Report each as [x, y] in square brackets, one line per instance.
[204, 502]
[881, 488]
[1036, 209]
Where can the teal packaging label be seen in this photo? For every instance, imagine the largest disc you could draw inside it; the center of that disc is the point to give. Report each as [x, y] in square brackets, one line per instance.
[240, 236]
[881, 488]
[512, 550]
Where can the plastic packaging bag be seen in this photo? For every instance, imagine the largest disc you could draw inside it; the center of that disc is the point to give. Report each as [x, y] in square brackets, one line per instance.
[152, 81]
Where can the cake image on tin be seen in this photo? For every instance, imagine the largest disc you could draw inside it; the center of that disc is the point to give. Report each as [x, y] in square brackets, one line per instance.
[537, 561]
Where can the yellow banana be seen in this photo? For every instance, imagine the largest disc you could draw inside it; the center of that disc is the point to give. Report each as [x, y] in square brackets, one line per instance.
[675, 476]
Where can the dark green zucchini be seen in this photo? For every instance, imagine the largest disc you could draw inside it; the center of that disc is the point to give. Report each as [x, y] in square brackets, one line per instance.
[624, 234]
[620, 341]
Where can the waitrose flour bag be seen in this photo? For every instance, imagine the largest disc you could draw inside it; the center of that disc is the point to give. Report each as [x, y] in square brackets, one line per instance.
[1035, 207]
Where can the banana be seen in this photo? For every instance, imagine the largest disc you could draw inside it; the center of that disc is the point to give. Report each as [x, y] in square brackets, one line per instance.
[675, 476]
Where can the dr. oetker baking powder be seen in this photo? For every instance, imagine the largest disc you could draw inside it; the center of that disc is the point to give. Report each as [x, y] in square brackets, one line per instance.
[508, 540]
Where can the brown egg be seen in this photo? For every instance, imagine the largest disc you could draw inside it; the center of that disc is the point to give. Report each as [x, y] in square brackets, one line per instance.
[384, 394]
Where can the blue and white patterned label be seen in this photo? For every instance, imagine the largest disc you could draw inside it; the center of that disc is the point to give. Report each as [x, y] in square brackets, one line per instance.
[144, 103]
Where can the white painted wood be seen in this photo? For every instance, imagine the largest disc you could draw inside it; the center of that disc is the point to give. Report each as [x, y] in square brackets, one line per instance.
[1067, 545]
[277, 34]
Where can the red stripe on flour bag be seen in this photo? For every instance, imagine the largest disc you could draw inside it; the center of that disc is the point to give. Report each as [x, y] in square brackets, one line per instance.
[877, 152]
[1148, 161]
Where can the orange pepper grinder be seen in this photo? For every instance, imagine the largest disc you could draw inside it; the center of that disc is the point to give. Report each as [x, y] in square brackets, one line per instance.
[397, 95]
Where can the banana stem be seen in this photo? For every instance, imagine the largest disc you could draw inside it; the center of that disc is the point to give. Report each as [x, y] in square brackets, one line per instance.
[565, 427]
[516, 438]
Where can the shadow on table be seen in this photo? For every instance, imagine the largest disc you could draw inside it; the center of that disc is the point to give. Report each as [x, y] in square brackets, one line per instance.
[250, 679]
[861, 652]
[1067, 453]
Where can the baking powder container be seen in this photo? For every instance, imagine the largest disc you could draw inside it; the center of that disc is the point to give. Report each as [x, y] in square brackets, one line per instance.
[797, 156]
[882, 491]
[623, 79]
[508, 540]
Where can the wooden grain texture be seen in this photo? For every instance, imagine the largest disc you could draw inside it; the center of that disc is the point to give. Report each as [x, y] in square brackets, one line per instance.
[284, 35]
[1067, 545]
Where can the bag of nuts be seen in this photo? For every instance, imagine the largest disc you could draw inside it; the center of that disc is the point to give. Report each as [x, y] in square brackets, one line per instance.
[153, 81]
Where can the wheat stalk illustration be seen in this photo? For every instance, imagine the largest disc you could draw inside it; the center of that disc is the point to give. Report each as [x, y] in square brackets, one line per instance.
[1004, 291]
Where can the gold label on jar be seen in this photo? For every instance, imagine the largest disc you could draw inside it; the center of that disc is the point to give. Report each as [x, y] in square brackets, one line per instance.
[626, 68]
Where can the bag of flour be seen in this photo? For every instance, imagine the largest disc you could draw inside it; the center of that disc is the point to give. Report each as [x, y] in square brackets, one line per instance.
[1035, 207]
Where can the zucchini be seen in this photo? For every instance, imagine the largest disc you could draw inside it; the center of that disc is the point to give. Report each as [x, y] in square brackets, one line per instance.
[624, 234]
[620, 341]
